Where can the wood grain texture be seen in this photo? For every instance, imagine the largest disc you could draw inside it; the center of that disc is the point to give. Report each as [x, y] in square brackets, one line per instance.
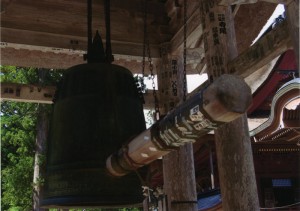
[233, 146]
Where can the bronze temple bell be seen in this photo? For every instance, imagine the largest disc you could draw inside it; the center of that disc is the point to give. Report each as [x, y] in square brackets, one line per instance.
[96, 111]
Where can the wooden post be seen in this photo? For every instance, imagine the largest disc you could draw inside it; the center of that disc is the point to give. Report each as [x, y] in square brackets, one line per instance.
[41, 138]
[233, 146]
[168, 81]
[40, 150]
[236, 168]
[292, 10]
[179, 179]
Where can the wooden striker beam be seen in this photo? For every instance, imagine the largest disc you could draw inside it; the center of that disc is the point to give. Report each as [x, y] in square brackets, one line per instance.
[203, 112]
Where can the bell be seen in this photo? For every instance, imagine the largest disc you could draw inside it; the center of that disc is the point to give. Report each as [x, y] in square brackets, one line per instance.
[97, 110]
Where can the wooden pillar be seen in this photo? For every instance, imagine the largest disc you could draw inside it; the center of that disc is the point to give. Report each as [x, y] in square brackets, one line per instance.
[168, 80]
[41, 140]
[178, 166]
[235, 165]
[40, 149]
[292, 12]
[233, 146]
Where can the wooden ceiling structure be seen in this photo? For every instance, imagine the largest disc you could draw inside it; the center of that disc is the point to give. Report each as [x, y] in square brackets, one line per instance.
[53, 34]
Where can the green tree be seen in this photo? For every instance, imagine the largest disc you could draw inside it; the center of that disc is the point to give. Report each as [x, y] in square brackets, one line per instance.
[17, 143]
[18, 132]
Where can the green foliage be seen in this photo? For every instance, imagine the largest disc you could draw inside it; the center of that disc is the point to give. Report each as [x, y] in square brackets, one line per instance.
[30, 75]
[17, 148]
[18, 132]
[19, 75]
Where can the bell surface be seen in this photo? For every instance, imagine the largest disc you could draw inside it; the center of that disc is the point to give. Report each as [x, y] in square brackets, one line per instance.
[97, 110]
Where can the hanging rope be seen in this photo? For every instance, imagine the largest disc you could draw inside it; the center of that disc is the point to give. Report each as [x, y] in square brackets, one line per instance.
[144, 41]
[89, 19]
[95, 51]
[184, 48]
[140, 80]
[108, 52]
[89, 29]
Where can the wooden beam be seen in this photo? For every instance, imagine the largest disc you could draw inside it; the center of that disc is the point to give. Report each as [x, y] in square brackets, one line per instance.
[286, 2]
[44, 94]
[49, 42]
[267, 48]
[261, 53]
[27, 93]
[273, 44]
[192, 119]
[177, 165]
[233, 2]
[194, 32]
[69, 18]
[58, 58]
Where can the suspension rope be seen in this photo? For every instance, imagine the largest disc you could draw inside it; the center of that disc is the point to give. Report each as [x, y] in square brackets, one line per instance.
[184, 48]
[144, 41]
[108, 52]
[89, 28]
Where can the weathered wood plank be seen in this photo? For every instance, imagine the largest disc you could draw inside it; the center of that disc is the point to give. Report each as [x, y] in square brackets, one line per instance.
[194, 32]
[272, 45]
[262, 52]
[177, 165]
[168, 79]
[232, 2]
[58, 58]
[286, 2]
[27, 93]
[46, 42]
[69, 18]
[192, 119]
[44, 94]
